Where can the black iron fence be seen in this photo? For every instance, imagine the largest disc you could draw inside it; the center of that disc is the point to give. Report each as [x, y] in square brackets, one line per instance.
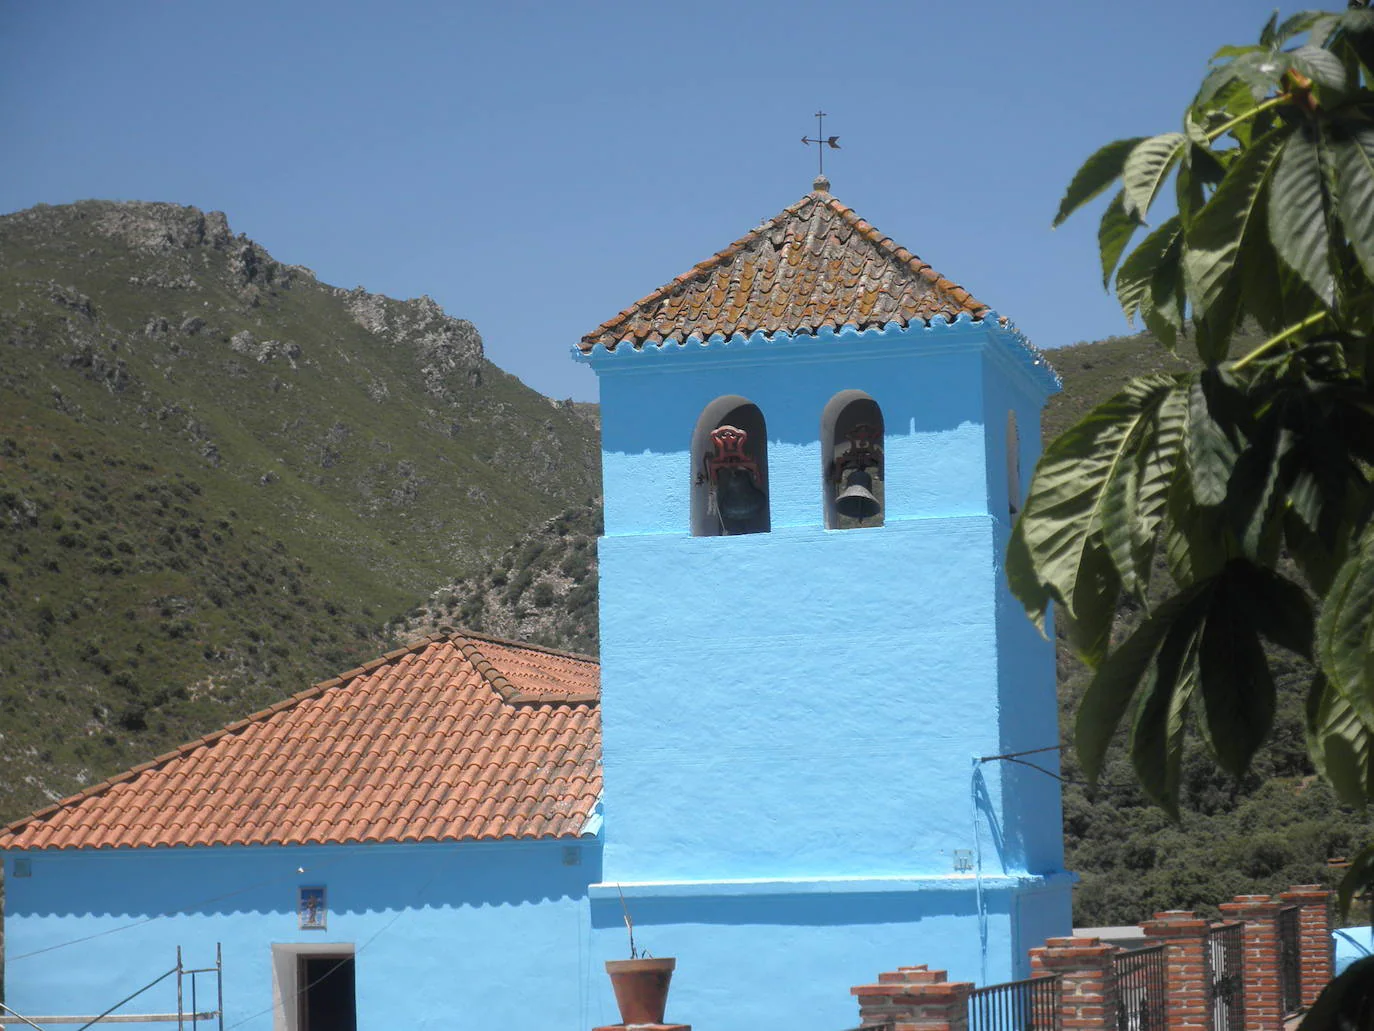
[1224, 963]
[1290, 961]
[1030, 1005]
[1141, 989]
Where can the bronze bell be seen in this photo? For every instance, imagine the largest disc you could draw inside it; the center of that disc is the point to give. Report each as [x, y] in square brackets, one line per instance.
[738, 499]
[856, 500]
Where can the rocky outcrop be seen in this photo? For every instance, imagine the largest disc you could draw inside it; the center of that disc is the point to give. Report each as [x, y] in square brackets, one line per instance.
[162, 228]
[446, 347]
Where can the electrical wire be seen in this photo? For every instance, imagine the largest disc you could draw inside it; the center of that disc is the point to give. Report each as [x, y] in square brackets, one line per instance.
[400, 912]
[190, 906]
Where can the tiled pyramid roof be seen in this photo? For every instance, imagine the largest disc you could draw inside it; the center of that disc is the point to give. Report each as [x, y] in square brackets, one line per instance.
[816, 264]
[458, 737]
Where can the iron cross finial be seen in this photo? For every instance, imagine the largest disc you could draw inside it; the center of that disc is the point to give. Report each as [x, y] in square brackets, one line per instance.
[822, 141]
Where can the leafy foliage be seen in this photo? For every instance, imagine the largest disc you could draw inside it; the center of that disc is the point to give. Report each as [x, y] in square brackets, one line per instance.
[1261, 453]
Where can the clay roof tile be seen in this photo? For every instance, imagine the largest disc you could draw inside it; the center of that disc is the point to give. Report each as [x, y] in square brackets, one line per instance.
[442, 741]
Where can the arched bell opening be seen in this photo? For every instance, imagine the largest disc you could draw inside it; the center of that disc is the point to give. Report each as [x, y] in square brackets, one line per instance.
[1013, 466]
[852, 461]
[730, 469]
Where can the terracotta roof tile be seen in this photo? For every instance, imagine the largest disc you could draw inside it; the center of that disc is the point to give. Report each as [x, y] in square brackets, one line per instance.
[460, 737]
[815, 264]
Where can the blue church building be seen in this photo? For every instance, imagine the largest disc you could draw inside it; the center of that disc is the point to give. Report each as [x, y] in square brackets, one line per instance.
[784, 770]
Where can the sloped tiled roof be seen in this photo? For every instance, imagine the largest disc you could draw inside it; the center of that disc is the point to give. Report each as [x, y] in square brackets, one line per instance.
[458, 737]
[816, 264]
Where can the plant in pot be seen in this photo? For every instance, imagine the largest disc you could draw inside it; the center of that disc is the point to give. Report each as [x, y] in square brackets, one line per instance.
[640, 982]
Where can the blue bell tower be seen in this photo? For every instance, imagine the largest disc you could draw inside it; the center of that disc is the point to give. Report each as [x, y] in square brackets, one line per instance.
[813, 449]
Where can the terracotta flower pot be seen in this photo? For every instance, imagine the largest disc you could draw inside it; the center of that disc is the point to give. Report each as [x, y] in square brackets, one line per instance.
[641, 988]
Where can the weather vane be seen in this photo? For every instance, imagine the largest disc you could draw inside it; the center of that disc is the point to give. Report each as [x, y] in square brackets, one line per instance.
[822, 141]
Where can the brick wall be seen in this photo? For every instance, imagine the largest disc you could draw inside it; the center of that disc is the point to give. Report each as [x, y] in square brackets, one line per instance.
[919, 999]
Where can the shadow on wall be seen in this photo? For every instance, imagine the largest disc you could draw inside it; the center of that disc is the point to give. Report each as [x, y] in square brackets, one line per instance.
[801, 910]
[659, 416]
[360, 878]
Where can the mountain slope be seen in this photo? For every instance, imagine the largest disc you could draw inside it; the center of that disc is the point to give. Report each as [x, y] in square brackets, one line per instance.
[219, 478]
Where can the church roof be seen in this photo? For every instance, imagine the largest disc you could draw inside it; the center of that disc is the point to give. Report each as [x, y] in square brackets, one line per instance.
[815, 264]
[458, 737]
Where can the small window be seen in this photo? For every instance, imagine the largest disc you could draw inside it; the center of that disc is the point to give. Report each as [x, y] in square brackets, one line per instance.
[730, 474]
[1013, 466]
[852, 453]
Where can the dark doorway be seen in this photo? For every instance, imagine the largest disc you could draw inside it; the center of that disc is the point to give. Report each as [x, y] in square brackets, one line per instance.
[327, 1002]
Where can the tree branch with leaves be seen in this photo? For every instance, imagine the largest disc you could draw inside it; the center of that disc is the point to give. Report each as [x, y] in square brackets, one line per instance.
[1250, 477]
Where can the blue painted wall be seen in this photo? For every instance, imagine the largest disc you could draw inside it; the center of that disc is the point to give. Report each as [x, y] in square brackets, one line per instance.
[806, 705]
[785, 953]
[474, 935]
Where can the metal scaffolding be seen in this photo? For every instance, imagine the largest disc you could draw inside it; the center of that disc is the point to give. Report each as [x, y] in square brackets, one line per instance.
[186, 978]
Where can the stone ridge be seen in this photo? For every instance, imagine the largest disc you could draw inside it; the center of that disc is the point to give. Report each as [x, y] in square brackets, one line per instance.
[431, 742]
[815, 264]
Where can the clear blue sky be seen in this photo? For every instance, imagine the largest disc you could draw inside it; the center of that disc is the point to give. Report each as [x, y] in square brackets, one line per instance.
[537, 167]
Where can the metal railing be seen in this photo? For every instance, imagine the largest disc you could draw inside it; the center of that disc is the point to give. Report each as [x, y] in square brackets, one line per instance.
[1030, 1005]
[1224, 960]
[1290, 961]
[1141, 989]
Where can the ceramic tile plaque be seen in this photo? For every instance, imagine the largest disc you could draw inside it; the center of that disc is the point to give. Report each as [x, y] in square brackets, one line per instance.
[310, 908]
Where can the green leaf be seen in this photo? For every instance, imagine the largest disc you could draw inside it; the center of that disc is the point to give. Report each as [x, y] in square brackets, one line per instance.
[1232, 50]
[1357, 880]
[1060, 551]
[1275, 606]
[1261, 70]
[1097, 173]
[1321, 66]
[1353, 153]
[1196, 537]
[1340, 743]
[1214, 239]
[1088, 612]
[1266, 283]
[1034, 597]
[1345, 629]
[1166, 307]
[1253, 498]
[1146, 167]
[1137, 271]
[1113, 233]
[1318, 558]
[1161, 718]
[1237, 687]
[1301, 210]
[1269, 34]
[1211, 451]
[1294, 25]
[1136, 499]
[1225, 94]
[1109, 695]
